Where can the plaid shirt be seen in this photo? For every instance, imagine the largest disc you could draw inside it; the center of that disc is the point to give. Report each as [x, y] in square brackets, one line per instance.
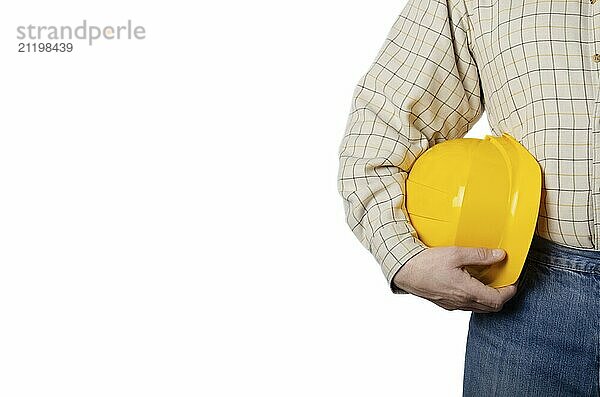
[534, 66]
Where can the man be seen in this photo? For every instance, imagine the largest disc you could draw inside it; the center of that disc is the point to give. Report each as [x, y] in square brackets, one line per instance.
[535, 67]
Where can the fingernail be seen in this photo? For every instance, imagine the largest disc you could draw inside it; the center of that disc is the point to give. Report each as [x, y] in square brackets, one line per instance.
[497, 253]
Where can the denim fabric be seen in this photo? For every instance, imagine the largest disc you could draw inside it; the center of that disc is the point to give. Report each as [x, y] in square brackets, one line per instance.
[544, 342]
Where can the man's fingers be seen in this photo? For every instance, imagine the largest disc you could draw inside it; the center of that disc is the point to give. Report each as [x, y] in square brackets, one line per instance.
[507, 292]
[468, 306]
[471, 294]
[478, 292]
[478, 308]
[493, 298]
[461, 256]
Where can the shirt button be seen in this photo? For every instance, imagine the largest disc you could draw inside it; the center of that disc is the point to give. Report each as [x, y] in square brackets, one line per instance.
[596, 57]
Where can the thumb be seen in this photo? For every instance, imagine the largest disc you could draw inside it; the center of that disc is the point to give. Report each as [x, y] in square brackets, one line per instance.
[478, 256]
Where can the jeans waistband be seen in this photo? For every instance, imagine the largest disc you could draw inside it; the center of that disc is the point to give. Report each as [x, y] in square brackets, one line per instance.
[554, 254]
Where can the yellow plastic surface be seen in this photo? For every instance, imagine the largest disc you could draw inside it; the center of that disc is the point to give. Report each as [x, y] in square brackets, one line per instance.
[477, 193]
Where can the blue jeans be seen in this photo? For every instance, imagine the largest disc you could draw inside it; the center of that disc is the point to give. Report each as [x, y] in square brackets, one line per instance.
[545, 340]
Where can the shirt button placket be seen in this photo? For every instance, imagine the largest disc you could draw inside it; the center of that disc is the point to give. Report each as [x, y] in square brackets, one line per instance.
[596, 127]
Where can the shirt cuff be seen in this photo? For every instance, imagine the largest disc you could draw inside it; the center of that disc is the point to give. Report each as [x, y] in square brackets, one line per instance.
[404, 252]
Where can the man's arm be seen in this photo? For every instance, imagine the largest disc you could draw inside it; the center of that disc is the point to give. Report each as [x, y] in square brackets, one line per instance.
[422, 88]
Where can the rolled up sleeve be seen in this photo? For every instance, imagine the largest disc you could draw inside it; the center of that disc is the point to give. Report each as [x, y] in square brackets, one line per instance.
[422, 88]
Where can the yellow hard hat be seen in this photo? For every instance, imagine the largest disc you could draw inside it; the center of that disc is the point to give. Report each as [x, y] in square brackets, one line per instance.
[477, 193]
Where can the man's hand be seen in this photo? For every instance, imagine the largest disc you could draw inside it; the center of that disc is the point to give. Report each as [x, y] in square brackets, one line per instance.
[437, 274]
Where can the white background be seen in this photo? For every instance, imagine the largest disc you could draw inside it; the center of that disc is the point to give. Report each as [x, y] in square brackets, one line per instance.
[169, 219]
